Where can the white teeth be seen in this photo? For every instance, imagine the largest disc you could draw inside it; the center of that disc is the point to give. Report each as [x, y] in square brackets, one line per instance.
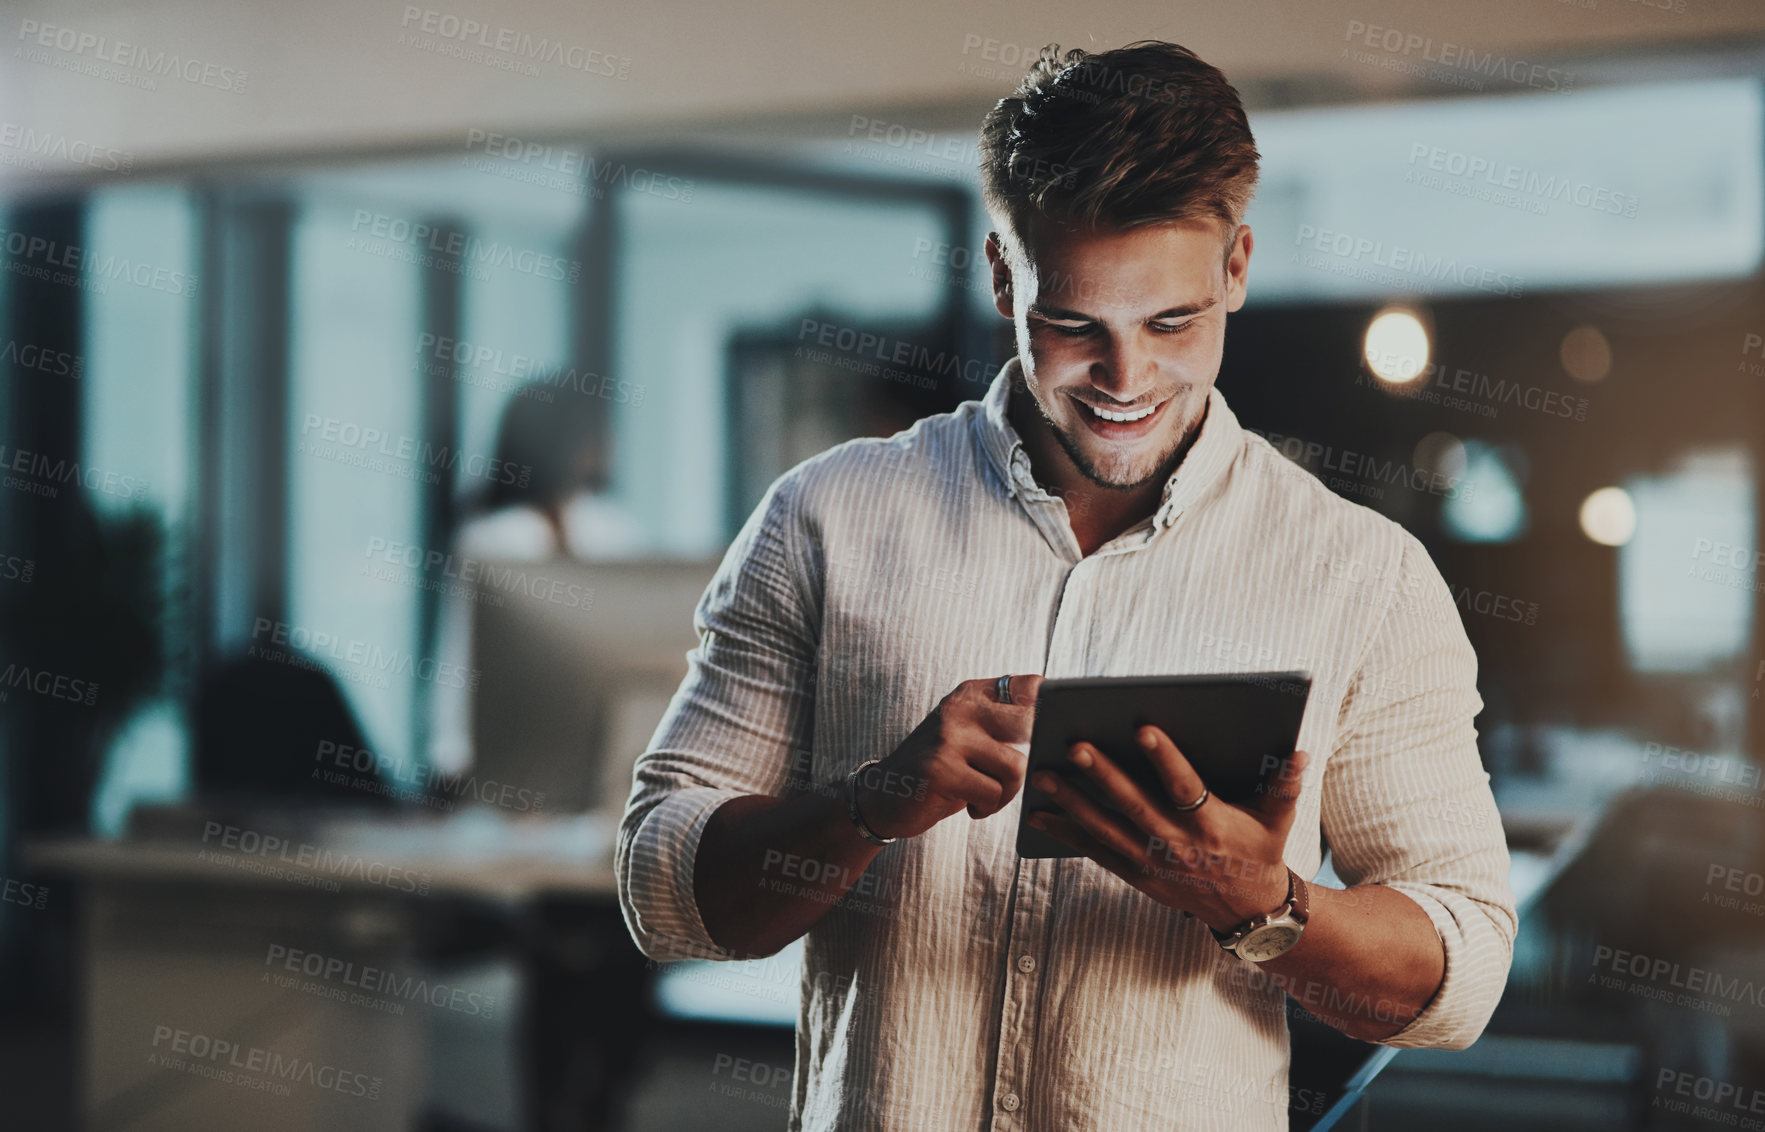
[1109, 416]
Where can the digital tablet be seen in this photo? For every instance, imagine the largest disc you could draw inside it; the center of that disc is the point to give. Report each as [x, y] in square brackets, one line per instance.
[1227, 725]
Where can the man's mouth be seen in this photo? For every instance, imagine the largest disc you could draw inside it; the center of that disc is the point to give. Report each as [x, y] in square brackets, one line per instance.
[1121, 424]
[1135, 415]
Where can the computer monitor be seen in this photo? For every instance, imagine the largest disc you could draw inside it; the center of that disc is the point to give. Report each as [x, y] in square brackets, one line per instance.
[576, 664]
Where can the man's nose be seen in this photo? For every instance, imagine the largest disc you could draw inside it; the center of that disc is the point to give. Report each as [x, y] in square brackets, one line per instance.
[1125, 371]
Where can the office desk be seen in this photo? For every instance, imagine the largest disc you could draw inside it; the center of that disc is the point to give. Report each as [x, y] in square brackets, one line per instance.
[334, 979]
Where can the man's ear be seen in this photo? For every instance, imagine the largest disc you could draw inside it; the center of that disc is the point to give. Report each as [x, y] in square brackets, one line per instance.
[1238, 268]
[996, 259]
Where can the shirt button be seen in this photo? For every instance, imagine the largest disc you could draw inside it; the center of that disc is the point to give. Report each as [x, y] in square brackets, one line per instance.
[1009, 1102]
[1026, 963]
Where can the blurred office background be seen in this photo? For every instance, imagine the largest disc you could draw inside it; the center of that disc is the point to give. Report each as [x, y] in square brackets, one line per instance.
[379, 385]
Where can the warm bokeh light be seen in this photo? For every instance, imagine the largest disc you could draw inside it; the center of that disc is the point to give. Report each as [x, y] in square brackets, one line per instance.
[1608, 516]
[1586, 355]
[1396, 345]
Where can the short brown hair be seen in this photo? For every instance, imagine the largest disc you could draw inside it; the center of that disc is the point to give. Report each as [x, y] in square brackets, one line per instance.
[1119, 139]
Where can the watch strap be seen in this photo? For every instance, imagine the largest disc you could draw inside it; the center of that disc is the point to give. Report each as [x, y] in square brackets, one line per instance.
[1298, 906]
[1298, 897]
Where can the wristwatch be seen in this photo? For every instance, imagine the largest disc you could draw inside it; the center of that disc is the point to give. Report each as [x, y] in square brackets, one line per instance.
[1273, 934]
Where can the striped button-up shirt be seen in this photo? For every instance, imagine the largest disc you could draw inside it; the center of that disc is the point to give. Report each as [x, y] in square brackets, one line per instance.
[957, 986]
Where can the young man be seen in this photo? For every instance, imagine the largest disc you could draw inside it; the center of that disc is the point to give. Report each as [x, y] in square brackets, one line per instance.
[843, 759]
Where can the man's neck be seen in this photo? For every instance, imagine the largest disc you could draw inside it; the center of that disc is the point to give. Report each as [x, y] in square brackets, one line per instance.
[1097, 514]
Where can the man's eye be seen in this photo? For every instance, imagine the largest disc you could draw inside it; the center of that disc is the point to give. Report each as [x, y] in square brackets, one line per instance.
[1078, 331]
[1172, 327]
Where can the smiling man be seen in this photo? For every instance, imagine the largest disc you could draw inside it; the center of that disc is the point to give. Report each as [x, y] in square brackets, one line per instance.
[845, 758]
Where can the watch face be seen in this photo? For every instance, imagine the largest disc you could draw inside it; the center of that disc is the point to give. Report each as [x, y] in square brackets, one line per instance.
[1268, 941]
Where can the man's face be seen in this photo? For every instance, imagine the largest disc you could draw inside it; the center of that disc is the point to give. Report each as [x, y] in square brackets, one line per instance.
[1125, 323]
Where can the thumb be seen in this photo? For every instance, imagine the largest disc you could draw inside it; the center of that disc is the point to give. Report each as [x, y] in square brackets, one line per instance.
[1280, 789]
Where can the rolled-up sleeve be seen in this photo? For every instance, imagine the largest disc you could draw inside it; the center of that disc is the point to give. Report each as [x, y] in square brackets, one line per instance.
[1406, 801]
[738, 721]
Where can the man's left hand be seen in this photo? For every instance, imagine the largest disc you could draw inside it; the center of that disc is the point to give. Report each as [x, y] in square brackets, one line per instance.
[1220, 862]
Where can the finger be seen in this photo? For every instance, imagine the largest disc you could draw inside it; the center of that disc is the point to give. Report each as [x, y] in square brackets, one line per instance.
[997, 760]
[1012, 722]
[1122, 792]
[1181, 781]
[1278, 795]
[1000, 763]
[1106, 828]
[982, 795]
[1008, 723]
[1025, 687]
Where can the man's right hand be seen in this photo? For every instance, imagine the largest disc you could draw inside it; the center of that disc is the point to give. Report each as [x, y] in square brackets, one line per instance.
[969, 753]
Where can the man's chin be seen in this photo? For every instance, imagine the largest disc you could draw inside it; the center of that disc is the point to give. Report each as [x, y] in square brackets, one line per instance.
[1128, 480]
[1113, 473]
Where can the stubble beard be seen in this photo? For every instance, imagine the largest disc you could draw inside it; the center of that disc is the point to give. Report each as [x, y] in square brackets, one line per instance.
[1131, 478]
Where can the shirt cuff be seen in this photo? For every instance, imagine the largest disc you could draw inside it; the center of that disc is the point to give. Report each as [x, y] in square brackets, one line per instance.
[1478, 953]
[657, 869]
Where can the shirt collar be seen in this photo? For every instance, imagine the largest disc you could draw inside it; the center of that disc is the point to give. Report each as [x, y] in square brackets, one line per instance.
[1202, 466]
